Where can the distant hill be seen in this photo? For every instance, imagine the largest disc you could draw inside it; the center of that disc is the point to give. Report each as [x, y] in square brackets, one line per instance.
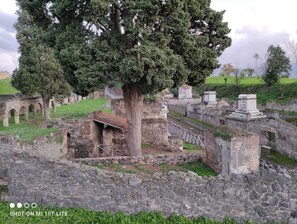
[4, 75]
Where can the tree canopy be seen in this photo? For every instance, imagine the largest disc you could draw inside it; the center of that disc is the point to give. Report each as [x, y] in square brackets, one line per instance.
[145, 46]
[38, 72]
[277, 65]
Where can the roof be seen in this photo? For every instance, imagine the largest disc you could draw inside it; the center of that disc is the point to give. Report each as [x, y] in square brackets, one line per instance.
[111, 120]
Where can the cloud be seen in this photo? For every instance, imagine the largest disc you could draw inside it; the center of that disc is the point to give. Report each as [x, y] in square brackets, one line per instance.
[8, 42]
[7, 21]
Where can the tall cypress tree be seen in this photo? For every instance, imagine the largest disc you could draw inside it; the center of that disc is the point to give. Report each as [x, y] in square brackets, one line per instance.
[145, 46]
[38, 72]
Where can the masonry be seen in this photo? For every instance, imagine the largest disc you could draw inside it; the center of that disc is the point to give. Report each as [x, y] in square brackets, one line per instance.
[269, 195]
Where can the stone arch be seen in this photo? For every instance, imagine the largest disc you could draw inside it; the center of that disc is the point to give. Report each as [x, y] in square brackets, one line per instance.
[14, 113]
[25, 112]
[53, 105]
[39, 108]
[32, 110]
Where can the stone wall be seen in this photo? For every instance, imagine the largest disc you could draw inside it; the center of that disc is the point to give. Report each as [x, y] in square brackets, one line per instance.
[154, 121]
[285, 134]
[270, 195]
[290, 106]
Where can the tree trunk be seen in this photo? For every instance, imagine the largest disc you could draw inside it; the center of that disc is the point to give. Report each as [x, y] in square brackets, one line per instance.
[133, 99]
[46, 103]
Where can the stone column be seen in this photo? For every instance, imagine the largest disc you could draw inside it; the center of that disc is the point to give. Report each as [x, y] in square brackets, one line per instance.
[5, 120]
[26, 114]
[17, 117]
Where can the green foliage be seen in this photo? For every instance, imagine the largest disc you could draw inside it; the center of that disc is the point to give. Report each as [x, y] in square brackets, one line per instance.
[135, 42]
[80, 109]
[190, 147]
[38, 72]
[26, 130]
[145, 145]
[279, 93]
[277, 65]
[278, 158]
[84, 216]
[199, 168]
[222, 134]
[6, 88]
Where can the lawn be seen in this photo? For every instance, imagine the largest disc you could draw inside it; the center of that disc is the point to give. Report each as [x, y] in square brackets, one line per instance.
[280, 93]
[84, 216]
[278, 158]
[244, 81]
[80, 109]
[35, 127]
[6, 88]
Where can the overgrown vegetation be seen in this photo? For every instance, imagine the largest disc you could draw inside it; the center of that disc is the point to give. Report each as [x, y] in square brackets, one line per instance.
[217, 131]
[25, 130]
[280, 93]
[6, 88]
[79, 109]
[190, 147]
[84, 216]
[198, 167]
[34, 128]
[278, 158]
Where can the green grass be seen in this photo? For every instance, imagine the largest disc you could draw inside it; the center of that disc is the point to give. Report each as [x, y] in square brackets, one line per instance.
[199, 168]
[190, 147]
[84, 216]
[280, 93]
[79, 109]
[217, 131]
[244, 81]
[25, 130]
[278, 158]
[6, 88]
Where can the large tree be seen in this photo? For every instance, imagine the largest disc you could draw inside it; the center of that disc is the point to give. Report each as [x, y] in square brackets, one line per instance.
[146, 46]
[277, 65]
[38, 72]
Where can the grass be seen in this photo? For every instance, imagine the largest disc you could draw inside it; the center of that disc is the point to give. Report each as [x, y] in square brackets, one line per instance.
[29, 130]
[244, 81]
[198, 167]
[190, 147]
[25, 130]
[278, 158]
[84, 216]
[3, 189]
[279, 93]
[6, 88]
[79, 109]
[220, 132]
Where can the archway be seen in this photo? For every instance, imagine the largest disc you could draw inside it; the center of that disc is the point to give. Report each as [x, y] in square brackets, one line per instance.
[32, 111]
[39, 108]
[24, 113]
[14, 115]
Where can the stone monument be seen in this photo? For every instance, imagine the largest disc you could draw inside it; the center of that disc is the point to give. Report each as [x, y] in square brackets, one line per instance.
[185, 92]
[247, 108]
[210, 98]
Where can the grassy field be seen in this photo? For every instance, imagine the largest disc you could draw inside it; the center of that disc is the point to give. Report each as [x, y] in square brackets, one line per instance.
[79, 109]
[245, 81]
[84, 216]
[278, 158]
[35, 127]
[6, 88]
[280, 93]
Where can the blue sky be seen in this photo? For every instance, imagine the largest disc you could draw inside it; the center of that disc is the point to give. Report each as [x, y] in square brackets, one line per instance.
[255, 24]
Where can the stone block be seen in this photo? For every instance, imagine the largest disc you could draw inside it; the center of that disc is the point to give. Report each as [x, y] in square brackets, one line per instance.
[185, 92]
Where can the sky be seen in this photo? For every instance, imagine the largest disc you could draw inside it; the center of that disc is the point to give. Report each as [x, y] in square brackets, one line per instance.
[254, 24]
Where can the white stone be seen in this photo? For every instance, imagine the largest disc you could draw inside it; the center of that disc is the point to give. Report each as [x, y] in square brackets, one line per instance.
[210, 98]
[247, 108]
[185, 92]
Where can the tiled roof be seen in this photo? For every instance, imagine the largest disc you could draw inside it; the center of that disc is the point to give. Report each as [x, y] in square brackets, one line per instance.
[111, 120]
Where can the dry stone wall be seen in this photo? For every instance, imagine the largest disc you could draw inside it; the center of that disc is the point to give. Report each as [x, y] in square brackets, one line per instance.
[269, 195]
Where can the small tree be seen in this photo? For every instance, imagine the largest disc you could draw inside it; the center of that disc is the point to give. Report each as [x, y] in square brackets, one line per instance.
[249, 72]
[38, 71]
[277, 65]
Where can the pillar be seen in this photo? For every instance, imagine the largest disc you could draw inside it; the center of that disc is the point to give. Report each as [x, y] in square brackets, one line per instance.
[16, 118]
[26, 115]
[5, 121]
